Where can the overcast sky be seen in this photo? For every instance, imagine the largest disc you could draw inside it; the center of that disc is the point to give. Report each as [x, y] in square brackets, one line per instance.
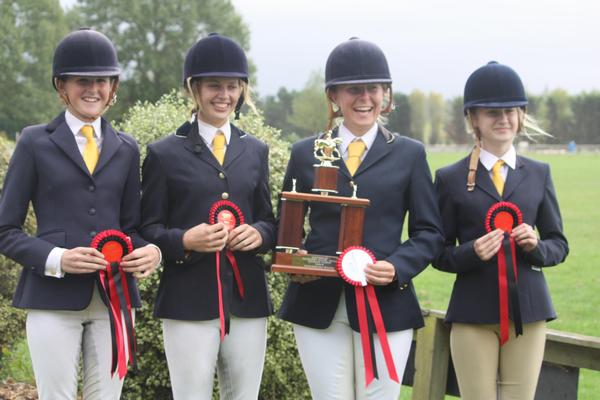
[432, 45]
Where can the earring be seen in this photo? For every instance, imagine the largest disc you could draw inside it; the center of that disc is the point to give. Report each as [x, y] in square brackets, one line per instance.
[113, 100]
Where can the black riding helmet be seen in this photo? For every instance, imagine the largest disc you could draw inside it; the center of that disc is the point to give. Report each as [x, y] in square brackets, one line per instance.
[356, 61]
[494, 85]
[218, 56]
[85, 52]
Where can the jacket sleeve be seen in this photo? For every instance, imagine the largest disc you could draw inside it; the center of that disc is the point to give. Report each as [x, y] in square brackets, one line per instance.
[452, 257]
[19, 189]
[155, 209]
[552, 248]
[263, 209]
[424, 226]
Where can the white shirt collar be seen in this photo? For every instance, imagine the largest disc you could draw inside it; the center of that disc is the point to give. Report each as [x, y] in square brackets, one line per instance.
[75, 124]
[488, 159]
[348, 137]
[208, 132]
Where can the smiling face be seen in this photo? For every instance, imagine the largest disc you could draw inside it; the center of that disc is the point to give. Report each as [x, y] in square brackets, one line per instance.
[86, 96]
[217, 98]
[360, 105]
[497, 127]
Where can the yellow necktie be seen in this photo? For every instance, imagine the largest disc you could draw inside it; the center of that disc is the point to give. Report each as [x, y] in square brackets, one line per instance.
[497, 176]
[355, 151]
[90, 151]
[218, 147]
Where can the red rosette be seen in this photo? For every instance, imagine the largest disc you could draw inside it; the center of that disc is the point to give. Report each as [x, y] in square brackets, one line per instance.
[231, 216]
[504, 215]
[226, 212]
[113, 244]
[351, 264]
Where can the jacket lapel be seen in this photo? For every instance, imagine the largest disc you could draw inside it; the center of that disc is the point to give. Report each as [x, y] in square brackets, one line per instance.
[484, 182]
[375, 153]
[62, 137]
[235, 147]
[514, 178]
[194, 143]
[110, 144]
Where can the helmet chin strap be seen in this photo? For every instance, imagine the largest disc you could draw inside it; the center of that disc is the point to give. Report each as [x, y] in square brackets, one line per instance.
[238, 106]
[112, 99]
[473, 161]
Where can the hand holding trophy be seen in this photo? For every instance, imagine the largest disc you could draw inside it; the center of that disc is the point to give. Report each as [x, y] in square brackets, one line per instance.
[289, 240]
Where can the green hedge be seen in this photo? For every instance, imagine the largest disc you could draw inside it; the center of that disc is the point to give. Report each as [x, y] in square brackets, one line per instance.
[283, 377]
[12, 320]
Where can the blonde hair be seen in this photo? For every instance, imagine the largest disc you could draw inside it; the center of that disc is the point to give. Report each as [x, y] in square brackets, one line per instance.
[193, 90]
[334, 114]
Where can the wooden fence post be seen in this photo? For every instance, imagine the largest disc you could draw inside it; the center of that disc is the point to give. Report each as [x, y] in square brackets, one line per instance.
[431, 358]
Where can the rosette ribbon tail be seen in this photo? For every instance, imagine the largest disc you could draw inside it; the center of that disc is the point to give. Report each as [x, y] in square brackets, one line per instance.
[116, 293]
[381, 333]
[365, 335]
[236, 272]
[223, 319]
[508, 290]
[114, 289]
[363, 305]
[125, 303]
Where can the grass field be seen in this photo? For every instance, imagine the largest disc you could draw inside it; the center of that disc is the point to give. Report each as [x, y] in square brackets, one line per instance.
[575, 284]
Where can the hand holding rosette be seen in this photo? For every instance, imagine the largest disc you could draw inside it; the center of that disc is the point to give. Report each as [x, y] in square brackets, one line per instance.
[227, 213]
[351, 267]
[506, 216]
[115, 245]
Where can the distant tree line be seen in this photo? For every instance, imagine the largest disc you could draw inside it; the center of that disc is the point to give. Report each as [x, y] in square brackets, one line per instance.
[432, 119]
[152, 38]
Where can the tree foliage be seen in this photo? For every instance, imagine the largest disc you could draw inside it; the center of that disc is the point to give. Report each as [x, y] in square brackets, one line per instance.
[29, 32]
[12, 320]
[418, 115]
[309, 107]
[399, 118]
[277, 111]
[436, 108]
[152, 38]
[455, 122]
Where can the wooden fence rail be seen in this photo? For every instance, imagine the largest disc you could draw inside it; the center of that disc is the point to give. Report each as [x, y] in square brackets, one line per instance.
[429, 370]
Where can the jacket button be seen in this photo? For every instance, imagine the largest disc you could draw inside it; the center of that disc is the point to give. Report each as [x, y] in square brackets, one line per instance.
[91, 188]
[92, 211]
[224, 195]
[221, 175]
[93, 233]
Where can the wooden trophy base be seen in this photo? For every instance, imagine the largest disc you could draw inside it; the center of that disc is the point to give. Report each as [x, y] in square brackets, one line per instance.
[305, 264]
